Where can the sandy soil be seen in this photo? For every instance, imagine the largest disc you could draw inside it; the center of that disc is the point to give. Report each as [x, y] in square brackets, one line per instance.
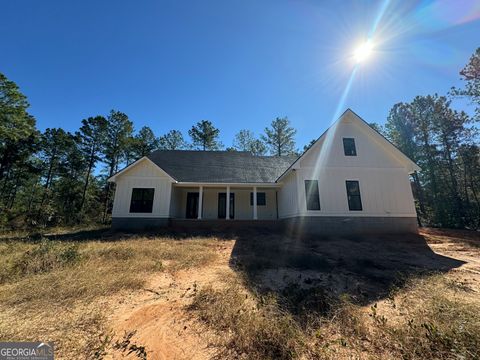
[157, 319]
[158, 323]
[460, 245]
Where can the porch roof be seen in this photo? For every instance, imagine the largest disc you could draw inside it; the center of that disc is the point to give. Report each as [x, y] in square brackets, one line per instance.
[220, 166]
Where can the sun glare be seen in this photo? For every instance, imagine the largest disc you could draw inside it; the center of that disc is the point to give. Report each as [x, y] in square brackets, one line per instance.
[363, 52]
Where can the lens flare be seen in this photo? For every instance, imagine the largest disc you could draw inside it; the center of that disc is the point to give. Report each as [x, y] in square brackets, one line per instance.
[363, 52]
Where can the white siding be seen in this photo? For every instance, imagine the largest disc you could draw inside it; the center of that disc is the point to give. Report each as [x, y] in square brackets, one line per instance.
[143, 175]
[384, 192]
[384, 181]
[370, 153]
[288, 197]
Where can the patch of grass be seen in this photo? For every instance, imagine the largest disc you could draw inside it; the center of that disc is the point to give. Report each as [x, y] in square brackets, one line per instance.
[426, 319]
[35, 259]
[249, 327]
[55, 290]
[436, 321]
[46, 256]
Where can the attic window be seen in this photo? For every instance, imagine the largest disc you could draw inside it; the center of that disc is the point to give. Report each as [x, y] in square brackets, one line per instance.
[349, 147]
[142, 200]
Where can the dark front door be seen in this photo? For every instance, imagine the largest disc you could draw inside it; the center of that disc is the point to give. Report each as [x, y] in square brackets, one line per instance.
[222, 205]
[192, 205]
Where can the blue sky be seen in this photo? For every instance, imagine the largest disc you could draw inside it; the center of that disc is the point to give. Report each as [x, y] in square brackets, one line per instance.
[238, 63]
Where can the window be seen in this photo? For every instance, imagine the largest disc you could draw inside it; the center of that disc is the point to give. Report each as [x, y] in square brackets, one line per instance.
[261, 199]
[142, 200]
[311, 194]
[353, 195]
[349, 147]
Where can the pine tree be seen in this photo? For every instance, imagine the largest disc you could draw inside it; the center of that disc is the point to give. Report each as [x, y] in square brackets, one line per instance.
[118, 134]
[91, 136]
[280, 137]
[173, 140]
[18, 134]
[144, 143]
[471, 75]
[245, 141]
[205, 136]
[119, 131]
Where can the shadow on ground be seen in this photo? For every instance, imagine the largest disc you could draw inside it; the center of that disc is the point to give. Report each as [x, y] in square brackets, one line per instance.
[366, 268]
[293, 266]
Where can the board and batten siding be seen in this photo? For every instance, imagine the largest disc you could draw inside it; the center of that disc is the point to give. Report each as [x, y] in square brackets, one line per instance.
[288, 197]
[143, 175]
[383, 178]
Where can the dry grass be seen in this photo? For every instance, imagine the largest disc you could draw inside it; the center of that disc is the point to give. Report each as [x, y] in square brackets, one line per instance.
[430, 318]
[62, 290]
[249, 327]
[55, 290]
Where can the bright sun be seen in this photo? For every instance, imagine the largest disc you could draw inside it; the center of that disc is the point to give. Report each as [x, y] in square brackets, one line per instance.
[363, 51]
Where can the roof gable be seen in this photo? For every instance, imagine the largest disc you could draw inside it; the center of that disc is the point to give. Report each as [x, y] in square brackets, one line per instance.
[143, 161]
[351, 117]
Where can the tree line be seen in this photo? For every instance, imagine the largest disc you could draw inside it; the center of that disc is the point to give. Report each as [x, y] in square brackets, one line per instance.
[445, 143]
[56, 177]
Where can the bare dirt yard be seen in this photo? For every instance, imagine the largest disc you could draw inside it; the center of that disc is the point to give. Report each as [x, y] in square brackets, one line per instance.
[103, 295]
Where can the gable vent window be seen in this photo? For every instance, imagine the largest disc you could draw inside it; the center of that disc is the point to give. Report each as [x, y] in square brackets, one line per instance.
[349, 147]
[261, 199]
[142, 200]
[311, 194]
[353, 195]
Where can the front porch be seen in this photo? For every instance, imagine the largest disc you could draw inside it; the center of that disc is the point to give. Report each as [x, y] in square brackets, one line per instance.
[208, 202]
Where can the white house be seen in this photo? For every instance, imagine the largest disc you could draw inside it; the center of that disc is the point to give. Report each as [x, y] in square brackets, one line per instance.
[351, 180]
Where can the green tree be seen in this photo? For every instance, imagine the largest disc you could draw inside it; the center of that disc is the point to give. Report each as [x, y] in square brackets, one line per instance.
[205, 136]
[245, 141]
[118, 134]
[91, 136]
[378, 128]
[70, 186]
[471, 75]
[119, 131]
[451, 129]
[437, 137]
[18, 143]
[173, 140]
[18, 134]
[144, 143]
[469, 162]
[280, 137]
[309, 145]
[53, 143]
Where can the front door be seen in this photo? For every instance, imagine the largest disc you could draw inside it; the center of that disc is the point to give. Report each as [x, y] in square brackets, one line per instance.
[222, 205]
[192, 205]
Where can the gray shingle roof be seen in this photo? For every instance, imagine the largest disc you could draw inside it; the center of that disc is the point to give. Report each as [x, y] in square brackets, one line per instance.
[221, 166]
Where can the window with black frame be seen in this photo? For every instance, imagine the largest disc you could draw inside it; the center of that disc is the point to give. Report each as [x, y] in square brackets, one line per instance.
[142, 200]
[311, 194]
[261, 199]
[349, 148]
[353, 195]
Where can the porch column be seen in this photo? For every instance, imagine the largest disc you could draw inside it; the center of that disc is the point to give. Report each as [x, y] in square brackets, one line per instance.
[227, 216]
[255, 217]
[200, 201]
